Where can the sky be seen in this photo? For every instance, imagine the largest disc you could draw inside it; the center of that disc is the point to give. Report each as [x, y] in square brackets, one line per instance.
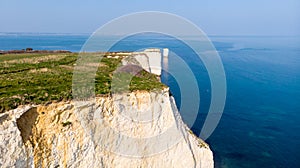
[214, 17]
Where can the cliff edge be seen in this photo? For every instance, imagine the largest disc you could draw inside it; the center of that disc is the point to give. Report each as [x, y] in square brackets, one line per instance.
[63, 135]
[127, 125]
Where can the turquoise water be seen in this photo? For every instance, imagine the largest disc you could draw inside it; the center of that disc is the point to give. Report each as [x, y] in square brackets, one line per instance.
[260, 124]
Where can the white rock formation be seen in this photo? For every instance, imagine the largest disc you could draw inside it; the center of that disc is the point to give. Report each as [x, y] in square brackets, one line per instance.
[143, 59]
[149, 59]
[138, 58]
[135, 130]
[166, 52]
[155, 58]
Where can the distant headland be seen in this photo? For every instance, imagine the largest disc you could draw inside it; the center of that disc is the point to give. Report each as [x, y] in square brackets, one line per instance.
[31, 50]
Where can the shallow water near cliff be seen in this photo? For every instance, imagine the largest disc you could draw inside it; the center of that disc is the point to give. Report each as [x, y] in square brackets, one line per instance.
[260, 123]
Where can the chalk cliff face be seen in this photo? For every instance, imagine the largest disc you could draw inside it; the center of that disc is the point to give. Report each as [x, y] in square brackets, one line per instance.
[137, 129]
[149, 59]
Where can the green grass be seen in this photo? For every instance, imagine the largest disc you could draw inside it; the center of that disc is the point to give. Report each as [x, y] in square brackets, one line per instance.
[9, 57]
[44, 78]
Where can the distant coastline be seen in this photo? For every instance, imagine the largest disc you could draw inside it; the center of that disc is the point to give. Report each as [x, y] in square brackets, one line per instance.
[31, 50]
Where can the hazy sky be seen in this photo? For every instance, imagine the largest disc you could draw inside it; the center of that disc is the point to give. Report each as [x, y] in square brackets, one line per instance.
[215, 17]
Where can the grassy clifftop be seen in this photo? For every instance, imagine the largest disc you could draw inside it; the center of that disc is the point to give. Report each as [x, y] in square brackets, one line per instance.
[42, 78]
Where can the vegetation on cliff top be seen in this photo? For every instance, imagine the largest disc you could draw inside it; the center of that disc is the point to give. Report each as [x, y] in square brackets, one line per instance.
[42, 78]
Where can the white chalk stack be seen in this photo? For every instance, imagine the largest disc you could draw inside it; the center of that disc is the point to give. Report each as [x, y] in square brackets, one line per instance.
[165, 52]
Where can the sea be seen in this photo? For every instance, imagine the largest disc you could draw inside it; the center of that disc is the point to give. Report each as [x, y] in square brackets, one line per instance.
[260, 124]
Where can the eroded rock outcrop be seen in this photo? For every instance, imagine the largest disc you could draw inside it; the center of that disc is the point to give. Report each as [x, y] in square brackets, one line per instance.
[137, 129]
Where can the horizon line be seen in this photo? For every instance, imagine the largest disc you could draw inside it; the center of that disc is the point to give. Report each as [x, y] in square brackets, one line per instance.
[209, 35]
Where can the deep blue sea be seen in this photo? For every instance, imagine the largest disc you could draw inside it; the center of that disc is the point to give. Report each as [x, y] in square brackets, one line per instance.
[260, 126]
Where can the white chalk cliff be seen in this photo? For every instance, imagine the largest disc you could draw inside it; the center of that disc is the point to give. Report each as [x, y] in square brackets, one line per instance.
[61, 135]
[140, 129]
